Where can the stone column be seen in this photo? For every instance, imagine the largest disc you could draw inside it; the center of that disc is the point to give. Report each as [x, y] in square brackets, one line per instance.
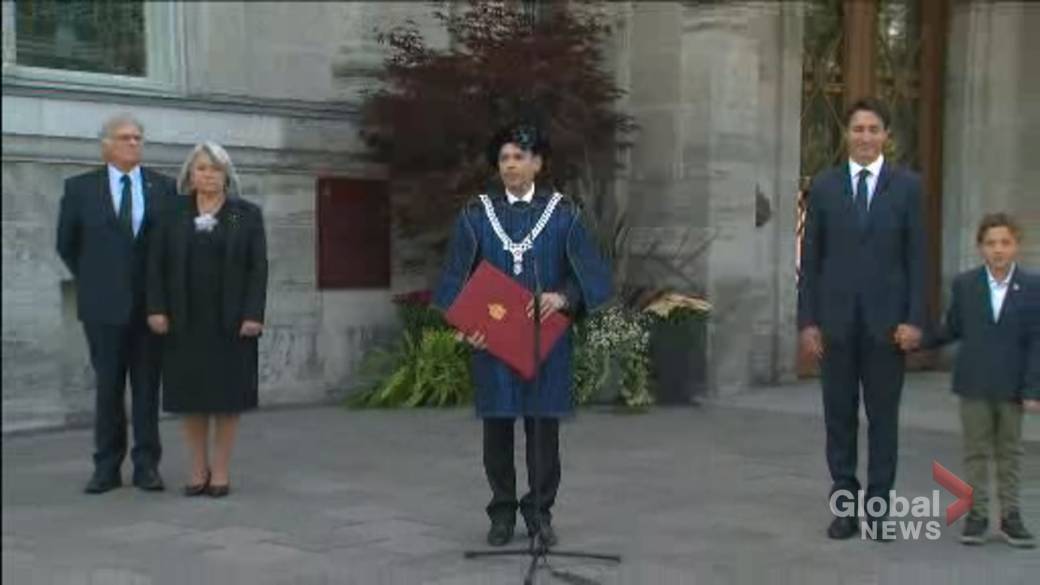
[720, 40]
[992, 122]
[716, 92]
[779, 28]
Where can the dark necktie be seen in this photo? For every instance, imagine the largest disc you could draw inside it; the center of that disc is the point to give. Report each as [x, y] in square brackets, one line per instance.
[126, 204]
[861, 198]
[520, 204]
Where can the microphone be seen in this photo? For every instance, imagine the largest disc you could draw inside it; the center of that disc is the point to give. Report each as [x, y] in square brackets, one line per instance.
[537, 321]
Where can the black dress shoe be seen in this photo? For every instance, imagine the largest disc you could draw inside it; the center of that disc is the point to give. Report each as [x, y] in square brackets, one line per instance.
[547, 535]
[842, 528]
[218, 491]
[197, 489]
[878, 534]
[149, 480]
[102, 482]
[501, 534]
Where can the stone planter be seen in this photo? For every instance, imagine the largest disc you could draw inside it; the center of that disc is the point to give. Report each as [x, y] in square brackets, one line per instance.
[608, 385]
[678, 361]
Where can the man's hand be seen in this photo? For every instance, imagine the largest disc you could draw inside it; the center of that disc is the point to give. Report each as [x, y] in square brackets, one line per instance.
[811, 342]
[1031, 405]
[159, 324]
[550, 303]
[477, 339]
[251, 328]
[907, 337]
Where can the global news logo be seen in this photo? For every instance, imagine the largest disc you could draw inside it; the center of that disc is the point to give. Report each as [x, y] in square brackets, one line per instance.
[902, 517]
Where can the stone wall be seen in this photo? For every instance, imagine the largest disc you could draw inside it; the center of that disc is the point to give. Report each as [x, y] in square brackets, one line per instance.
[711, 88]
[992, 122]
[278, 85]
[313, 338]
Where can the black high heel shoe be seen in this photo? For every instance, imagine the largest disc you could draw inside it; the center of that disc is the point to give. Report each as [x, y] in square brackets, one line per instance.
[218, 491]
[197, 489]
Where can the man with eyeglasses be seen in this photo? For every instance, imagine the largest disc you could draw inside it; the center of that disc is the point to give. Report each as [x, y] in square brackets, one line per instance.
[104, 224]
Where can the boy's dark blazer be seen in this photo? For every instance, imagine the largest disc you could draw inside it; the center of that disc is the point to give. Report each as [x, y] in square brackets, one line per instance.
[996, 360]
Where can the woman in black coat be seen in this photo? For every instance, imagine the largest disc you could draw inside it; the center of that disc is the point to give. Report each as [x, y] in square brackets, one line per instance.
[207, 287]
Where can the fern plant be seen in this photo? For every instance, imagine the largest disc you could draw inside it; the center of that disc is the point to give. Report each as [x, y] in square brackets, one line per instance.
[432, 370]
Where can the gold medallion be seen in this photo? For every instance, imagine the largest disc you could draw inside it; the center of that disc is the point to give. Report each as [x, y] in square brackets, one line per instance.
[497, 311]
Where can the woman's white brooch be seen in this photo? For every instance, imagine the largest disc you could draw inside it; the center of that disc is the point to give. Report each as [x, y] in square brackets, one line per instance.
[205, 222]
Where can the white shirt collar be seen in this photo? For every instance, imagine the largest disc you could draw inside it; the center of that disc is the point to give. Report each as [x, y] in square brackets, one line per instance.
[114, 174]
[526, 198]
[994, 283]
[874, 167]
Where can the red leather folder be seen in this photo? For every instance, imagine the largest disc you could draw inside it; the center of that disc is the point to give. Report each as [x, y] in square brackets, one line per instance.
[494, 303]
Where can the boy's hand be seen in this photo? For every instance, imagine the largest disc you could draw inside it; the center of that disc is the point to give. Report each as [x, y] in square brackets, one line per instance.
[1031, 405]
[907, 337]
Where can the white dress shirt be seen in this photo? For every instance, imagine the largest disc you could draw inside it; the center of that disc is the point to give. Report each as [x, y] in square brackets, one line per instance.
[998, 290]
[526, 198]
[115, 185]
[874, 170]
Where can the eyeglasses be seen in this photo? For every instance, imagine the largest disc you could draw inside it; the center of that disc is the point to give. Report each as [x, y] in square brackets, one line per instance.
[128, 138]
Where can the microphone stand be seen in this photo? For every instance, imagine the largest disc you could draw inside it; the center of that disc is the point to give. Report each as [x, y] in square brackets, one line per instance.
[538, 550]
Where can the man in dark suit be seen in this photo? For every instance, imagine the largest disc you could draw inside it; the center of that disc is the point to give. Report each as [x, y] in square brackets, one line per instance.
[861, 300]
[104, 225]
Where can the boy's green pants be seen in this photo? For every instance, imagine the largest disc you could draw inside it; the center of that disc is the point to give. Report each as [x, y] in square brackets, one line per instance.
[992, 430]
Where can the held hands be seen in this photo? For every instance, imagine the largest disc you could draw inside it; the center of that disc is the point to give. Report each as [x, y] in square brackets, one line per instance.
[550, 303]
[1031, 405]
[907, 337]
[811, 342]
[250, 328]
[159, 324]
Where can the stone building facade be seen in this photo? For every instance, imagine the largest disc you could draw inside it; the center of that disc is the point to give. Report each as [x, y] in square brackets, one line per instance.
[715, 88]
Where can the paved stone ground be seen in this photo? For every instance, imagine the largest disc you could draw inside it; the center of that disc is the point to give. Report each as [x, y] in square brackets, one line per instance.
[733, 492]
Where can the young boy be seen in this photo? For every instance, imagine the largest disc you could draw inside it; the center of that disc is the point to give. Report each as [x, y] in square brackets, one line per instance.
[995, 314]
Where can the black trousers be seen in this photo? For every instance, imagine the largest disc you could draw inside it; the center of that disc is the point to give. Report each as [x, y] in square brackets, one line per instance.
[115, 352]
[879, 366]
[501, 471]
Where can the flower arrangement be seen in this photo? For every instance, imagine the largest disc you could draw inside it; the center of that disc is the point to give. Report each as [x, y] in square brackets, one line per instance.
[416, 312]
[615, 336]
[676, 307]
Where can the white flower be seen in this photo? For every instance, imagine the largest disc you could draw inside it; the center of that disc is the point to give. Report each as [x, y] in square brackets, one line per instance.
[205, 222]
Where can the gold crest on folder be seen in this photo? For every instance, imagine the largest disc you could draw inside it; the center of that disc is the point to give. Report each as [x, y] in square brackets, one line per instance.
[497, 311]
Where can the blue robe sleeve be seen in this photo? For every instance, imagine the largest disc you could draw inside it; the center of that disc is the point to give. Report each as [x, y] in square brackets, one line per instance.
[589, 284]
[458, 264]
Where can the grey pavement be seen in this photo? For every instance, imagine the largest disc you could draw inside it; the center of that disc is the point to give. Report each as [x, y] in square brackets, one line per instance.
[732, 492]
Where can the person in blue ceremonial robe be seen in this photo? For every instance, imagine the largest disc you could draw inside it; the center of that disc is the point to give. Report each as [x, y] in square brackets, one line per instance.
[534, 234]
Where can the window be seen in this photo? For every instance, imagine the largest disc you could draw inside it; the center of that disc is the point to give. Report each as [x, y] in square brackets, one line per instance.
[81, 35]
[537, 11]
[353, 233]
[111, 45]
